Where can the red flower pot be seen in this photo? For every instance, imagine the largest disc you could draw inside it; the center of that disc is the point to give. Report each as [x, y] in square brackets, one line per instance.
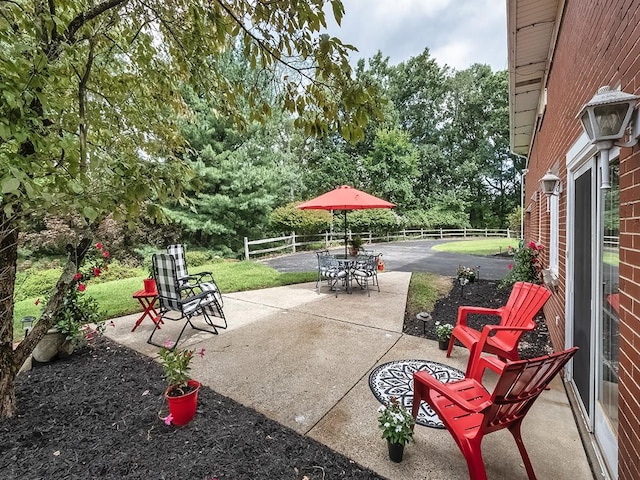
[149, 285]
[183, 407]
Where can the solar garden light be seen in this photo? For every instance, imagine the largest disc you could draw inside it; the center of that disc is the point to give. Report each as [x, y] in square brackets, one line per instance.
[27, 324]
[605, 119]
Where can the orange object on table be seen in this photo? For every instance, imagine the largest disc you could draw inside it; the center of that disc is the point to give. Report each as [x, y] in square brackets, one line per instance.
[147, 300]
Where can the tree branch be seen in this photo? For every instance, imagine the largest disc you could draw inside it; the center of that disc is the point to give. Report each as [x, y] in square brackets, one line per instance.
[89, 15]
[264, 45]
[82, 105]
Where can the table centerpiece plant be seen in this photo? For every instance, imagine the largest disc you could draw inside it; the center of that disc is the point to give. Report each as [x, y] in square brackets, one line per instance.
[396, 423]
[354, 245]
[182, 391]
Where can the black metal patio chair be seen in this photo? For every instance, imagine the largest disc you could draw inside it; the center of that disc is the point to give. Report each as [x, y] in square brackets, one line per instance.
[366, 271]
[329, 270]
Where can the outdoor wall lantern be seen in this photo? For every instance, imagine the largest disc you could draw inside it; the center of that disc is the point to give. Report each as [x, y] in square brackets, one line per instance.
[605, 119]
[550, 184]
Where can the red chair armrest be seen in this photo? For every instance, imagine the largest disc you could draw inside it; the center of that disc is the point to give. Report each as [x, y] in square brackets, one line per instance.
[446, 391]
[477, 363]
[466, 310]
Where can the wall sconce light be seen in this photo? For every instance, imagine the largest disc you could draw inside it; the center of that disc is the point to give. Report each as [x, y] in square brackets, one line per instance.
[605, 119]
[550, 184]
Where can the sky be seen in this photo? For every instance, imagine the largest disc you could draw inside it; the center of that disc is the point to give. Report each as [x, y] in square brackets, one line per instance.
[457, 33]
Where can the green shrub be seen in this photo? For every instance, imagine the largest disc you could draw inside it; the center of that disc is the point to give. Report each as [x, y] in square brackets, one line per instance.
[35, 283]
[78, 310]
[289, 219]
[514, 219]
[118, 271]
[197, 258]
[376, 220]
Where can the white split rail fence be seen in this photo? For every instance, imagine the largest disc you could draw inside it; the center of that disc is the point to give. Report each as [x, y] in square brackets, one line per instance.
[290, 243]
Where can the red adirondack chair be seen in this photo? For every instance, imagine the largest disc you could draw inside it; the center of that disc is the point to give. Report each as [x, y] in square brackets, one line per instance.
[516, 317]
[469, 411]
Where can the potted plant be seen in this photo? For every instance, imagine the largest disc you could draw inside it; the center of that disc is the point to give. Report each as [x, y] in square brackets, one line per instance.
[182, 392]
[396, 423]
[443, 334]
[466, 275]
[72, 324]
[354, 245]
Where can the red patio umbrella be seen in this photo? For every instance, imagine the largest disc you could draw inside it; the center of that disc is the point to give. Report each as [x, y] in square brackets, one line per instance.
[345, 198]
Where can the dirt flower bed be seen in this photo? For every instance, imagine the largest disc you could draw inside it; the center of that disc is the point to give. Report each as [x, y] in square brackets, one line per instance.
[484, 293]
[95, 415]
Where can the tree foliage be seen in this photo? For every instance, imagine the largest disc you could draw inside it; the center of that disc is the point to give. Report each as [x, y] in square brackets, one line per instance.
[91, 102]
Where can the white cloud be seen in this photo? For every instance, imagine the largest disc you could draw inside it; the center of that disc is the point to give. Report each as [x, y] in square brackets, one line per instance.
[457, 33]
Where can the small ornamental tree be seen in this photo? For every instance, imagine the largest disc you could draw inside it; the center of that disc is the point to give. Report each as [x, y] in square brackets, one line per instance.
[91, 102]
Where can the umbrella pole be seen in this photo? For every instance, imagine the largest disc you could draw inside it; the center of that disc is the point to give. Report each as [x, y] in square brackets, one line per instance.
[345, 234]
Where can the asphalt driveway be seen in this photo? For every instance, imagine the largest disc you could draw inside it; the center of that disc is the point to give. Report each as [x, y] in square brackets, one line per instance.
[409, 256]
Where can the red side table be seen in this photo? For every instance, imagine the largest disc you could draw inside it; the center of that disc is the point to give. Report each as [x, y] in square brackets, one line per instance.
[148, 300]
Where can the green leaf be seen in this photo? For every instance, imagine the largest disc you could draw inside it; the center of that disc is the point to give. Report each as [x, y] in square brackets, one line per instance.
[10, 185]
[90, 213]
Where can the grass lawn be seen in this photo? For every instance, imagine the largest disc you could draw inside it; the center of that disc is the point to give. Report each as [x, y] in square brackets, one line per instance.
[424, 291]
[488, 246]
[115, 298]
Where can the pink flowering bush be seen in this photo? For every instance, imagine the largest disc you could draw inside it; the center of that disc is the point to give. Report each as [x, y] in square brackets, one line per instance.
[526, 266]
[79, 309]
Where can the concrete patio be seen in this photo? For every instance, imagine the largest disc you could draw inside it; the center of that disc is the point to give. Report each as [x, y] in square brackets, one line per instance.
[304, 359]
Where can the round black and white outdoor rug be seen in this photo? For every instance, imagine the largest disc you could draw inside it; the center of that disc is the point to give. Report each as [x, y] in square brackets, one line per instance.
[395, 379]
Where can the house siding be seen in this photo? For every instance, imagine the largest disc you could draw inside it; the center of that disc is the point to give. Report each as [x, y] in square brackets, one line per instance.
[598, 44]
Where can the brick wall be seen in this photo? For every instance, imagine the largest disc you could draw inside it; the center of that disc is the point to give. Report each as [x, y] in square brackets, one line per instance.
[598, 44]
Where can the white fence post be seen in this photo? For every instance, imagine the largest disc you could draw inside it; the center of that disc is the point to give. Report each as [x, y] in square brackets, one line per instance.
[246, 248]
[293, 242]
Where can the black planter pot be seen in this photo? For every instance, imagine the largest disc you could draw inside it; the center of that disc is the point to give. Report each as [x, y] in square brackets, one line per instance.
[443, 344]
[396, 450]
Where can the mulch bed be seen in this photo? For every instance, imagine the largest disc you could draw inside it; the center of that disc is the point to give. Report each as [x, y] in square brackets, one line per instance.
[484, 293]
[96, 415]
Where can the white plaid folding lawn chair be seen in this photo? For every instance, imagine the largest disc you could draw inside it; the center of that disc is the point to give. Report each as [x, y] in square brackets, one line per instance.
[203, 281]
[176, 299]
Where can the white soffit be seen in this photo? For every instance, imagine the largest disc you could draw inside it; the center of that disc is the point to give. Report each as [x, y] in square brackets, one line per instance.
[533, 28]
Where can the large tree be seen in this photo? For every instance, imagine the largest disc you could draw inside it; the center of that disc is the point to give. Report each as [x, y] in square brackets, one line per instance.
[90, 101]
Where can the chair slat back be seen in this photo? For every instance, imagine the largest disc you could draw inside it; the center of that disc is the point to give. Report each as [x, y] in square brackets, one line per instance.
[177, 251]
[524, 303]
[165, 273]
[519, 385]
